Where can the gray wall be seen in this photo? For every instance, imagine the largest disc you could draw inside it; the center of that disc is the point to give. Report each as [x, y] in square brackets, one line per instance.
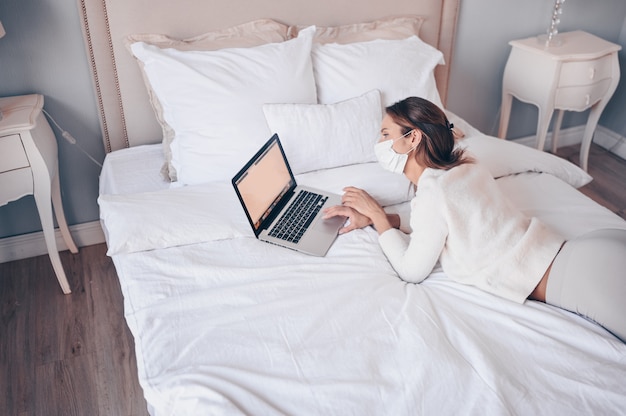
[486, 26]
[43, 53]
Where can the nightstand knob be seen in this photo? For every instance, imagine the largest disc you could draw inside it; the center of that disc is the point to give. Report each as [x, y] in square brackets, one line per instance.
[592, 72]
[587, 99]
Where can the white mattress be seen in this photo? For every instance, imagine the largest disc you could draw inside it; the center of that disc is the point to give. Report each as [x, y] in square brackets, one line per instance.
[225, 324]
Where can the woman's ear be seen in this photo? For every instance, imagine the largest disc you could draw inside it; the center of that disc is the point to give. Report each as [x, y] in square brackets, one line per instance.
[416, 137]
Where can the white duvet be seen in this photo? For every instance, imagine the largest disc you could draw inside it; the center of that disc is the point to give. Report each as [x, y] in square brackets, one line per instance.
[225, 324]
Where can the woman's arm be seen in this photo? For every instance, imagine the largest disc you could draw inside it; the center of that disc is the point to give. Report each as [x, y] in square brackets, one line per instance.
[414, 258]
[356, 220]
[364, 204]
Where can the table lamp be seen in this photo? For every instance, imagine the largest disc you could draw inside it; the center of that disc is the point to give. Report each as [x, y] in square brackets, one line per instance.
[551, 38]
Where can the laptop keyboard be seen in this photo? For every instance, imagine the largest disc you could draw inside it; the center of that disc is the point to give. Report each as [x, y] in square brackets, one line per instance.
[298, 216]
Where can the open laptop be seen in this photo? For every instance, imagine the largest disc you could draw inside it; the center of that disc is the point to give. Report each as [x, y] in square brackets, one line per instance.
[268, 194]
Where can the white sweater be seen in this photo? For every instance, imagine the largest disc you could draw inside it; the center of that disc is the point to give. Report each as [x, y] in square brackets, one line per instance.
[461, 218]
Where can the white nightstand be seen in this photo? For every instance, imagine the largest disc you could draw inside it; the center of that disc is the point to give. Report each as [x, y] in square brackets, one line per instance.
[581, 73]
[28, 166]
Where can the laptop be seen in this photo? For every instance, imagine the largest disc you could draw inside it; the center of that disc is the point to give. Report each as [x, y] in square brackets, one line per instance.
[281, 212]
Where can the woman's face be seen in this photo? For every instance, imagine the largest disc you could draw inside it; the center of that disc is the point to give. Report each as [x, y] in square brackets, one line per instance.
[389, 130]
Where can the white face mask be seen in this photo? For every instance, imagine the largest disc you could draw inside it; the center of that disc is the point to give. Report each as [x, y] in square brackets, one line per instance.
[388, 158]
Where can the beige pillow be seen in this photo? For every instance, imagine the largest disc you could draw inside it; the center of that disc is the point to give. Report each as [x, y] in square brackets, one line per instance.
[255, 33]
[390, 28]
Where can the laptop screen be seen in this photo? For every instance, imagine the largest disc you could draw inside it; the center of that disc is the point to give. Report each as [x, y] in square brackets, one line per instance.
[262, 183]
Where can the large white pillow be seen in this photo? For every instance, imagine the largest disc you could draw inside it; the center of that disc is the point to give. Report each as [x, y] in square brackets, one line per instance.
[398, 68]
[321, 136]
[254, 33]
[386, 187]
[172, 217]
[213, 99]
[505, 158]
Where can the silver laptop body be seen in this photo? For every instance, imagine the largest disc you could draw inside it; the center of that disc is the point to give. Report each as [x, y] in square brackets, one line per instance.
[267, 189]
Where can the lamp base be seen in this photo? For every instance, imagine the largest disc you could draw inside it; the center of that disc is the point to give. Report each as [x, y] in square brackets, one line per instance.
[550, 41]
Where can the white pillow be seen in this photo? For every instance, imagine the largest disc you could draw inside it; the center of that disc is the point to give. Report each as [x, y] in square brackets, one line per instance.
[398, 68]
[172, 217]
[321, 136]
[254, 33]
[386, 187]
[504, 158]
[213, 99]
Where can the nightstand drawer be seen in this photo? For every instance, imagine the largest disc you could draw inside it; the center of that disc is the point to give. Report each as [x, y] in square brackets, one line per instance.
[12, 153]
[586, 72]
[15, 184]
[580, 98]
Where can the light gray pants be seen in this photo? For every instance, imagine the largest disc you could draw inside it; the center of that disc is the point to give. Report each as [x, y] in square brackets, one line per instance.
[588, 277]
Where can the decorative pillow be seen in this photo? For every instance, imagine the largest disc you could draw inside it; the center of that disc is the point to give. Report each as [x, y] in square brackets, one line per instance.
[177, 217]
[386, 187]
[398, 68]
[213, 100]
[321, 136]
[255, 33]
[504, 158]
[396, 27]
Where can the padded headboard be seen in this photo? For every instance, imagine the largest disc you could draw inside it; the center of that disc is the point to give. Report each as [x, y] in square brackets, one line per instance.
[126, 116]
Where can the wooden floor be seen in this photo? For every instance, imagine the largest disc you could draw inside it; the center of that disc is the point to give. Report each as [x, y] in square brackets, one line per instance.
[66, 354]
[74, 355]
[609, 177]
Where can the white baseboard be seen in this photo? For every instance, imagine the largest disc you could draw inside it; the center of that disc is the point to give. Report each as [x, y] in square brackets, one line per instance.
[611, 140]
[603, 136]
[33, 244]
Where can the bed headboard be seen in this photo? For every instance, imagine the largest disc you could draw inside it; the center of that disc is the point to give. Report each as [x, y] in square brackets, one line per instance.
[126, 116]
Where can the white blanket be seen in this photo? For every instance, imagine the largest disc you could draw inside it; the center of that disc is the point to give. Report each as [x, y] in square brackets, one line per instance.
[225, 324]
[237, 326]
[284, 333]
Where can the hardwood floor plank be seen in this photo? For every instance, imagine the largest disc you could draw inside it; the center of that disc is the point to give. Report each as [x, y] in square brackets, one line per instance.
[66, 354]
[63, 388]
[16, 379]
[608, 170]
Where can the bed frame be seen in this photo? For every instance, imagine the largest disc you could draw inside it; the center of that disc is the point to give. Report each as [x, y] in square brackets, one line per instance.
[126, 117]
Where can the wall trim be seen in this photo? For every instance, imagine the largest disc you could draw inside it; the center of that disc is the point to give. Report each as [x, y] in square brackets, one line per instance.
[610, 140]
[33, 244]
[603, 137]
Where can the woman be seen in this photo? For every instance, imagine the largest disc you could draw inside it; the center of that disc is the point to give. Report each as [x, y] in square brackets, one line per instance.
[460, 217]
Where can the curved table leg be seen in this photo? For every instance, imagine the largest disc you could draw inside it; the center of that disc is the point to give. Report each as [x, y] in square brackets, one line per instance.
[44, 206]
[505, 114]
[556, 129]
[57, 204]
[542, 127]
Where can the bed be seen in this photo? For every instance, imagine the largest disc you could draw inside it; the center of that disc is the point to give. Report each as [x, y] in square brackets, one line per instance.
[225, 324]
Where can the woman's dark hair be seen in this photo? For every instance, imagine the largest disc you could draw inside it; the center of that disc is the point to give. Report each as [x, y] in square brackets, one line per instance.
[436, 149]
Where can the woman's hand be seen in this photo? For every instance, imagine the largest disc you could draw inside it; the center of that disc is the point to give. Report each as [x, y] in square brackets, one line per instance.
[355, 221]
[364, 204]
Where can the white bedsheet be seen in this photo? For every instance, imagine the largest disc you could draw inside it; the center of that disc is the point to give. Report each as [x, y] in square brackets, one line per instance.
[237, 326]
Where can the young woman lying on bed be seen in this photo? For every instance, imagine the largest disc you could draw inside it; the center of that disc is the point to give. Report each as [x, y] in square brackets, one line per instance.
[460, 217]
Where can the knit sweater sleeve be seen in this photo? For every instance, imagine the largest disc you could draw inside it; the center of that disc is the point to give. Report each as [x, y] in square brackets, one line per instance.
[414, 258]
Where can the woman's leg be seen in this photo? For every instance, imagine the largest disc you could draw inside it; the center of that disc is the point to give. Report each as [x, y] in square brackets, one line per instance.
[588, 277]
